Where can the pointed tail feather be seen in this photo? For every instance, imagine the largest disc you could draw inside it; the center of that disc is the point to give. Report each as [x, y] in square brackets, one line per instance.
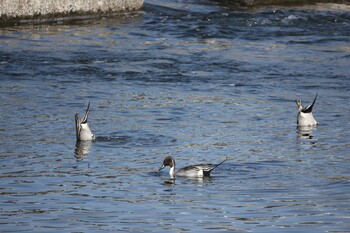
[86, 114]
[309, 108]
[213, 166]
[221, 162]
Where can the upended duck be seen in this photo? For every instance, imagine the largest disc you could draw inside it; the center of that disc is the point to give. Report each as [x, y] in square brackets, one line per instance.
[305, 116]
[82, 128]
[199, 170]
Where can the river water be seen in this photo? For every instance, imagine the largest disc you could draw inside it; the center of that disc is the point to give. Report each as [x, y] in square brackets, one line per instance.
[192, 79]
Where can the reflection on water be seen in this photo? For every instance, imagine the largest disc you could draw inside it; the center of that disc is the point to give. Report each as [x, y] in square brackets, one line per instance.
[170, 181]
[193, 180]
[305, 132]
[82, 149]
[190, 79]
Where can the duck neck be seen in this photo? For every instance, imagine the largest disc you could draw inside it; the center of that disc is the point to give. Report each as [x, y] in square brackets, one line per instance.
[172, 170]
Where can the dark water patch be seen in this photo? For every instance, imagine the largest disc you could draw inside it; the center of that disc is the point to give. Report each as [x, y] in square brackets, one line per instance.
[121, 139]
[144, 140]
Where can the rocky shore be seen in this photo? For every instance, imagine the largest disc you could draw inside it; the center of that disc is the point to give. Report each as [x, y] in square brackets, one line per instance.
[12, 11]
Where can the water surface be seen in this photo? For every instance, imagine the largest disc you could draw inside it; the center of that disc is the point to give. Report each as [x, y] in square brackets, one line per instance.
[192, 79]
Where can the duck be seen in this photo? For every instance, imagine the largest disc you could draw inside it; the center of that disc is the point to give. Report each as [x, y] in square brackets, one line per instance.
[305, 116]
[199, 170]
[82, 129]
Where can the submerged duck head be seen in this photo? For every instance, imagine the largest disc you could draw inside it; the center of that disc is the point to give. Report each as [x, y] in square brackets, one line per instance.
[305, 116]
[82, 129]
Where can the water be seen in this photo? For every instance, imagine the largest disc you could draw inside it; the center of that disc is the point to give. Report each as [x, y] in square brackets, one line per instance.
[192, 79]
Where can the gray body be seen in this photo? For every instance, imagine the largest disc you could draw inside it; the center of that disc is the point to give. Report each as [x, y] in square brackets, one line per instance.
[199, 170]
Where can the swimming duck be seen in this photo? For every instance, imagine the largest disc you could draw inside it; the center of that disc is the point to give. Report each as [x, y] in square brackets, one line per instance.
[199, 170]
[305, 117]
[82, 129]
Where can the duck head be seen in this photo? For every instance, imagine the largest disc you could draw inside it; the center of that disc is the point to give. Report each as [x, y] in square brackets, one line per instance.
[169, 161]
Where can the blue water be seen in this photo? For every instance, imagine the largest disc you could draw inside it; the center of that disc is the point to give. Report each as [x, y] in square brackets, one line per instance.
[192, 79]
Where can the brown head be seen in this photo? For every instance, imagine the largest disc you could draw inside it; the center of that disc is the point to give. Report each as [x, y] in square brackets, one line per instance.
[168, 161]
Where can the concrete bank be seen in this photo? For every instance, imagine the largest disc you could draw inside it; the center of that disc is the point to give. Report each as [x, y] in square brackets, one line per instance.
[41, 10]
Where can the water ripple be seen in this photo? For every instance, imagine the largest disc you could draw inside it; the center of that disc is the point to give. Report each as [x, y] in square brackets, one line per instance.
[196, 80]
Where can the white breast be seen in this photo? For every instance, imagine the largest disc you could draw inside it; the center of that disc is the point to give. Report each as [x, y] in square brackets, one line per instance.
[306, 119]
[85, 133]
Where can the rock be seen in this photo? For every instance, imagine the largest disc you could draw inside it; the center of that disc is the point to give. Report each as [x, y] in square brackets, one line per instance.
[12, 11]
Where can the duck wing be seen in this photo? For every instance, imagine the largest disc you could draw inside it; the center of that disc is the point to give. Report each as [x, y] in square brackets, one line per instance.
[77, 126]
[195, 169]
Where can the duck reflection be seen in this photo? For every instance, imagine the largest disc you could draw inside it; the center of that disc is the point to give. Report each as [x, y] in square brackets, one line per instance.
[169, 182]
[305, 132]
[192, 180]
[82, 149]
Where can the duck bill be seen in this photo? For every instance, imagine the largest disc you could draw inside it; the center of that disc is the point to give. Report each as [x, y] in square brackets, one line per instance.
[163, 166]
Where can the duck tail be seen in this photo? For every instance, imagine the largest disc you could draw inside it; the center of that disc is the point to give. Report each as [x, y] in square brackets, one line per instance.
[309, 108]
[221, 162]
[86, 114]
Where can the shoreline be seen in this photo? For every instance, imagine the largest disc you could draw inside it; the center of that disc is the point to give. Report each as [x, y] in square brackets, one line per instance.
[14, 12]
